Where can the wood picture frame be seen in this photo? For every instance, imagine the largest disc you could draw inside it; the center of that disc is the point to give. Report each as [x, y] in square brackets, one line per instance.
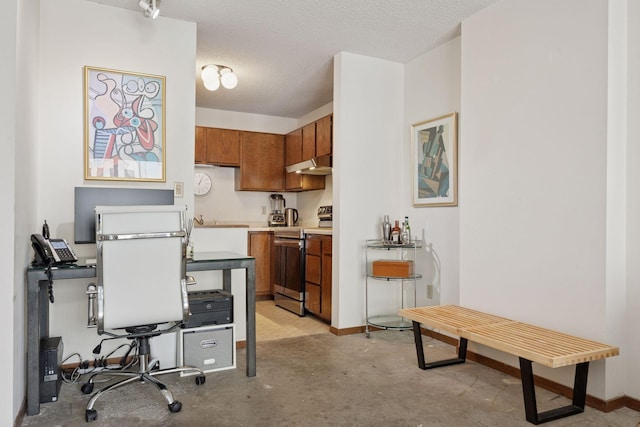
[434, 158]
[124, 125]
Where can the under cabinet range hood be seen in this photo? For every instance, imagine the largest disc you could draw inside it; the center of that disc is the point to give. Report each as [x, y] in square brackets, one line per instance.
[315, 166]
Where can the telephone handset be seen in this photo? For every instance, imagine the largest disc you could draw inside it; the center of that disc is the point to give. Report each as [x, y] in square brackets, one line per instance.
[48, 252]
[51, 251]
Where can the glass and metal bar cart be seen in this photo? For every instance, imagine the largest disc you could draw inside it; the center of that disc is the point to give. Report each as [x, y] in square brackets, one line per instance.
[390, 264]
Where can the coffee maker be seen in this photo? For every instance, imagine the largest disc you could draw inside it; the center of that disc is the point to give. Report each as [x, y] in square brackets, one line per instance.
[276, 217]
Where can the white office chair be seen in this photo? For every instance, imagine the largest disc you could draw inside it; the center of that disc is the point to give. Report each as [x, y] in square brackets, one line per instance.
[141, 283]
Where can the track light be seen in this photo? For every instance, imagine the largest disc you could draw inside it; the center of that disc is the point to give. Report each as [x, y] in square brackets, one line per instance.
[150, 8]
[213, 75]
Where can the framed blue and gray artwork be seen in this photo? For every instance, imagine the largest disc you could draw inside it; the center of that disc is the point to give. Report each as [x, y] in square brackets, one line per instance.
[435, 161]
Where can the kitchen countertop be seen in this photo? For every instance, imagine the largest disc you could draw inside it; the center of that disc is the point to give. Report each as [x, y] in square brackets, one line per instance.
[253, 227]
[306, 230]
[222, 226]
[327, 231]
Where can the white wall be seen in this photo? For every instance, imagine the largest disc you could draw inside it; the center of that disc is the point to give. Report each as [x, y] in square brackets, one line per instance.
[632, 336]
[367, 170]
[432, 89]
[616, 204]
[25, 200]
[107, 37]
[8, 136]
[534, 169]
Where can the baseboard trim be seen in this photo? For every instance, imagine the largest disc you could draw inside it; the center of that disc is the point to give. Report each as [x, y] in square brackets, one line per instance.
[346, 331]
[22, 412]
[632, 403]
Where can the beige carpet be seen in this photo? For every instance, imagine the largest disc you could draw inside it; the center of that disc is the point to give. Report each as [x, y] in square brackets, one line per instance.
[274, 323]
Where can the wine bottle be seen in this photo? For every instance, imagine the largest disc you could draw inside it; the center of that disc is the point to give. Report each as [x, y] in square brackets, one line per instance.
[407, 228]
[404, 235]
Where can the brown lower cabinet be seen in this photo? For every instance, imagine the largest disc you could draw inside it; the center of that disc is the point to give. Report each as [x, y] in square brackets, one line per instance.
[318, 275]
[260, 246]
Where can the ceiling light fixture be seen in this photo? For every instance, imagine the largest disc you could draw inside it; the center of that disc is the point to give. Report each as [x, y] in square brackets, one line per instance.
[213, 75]
[150, 8]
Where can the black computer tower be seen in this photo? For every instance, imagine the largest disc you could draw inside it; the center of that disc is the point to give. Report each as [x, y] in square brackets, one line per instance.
[50, 376]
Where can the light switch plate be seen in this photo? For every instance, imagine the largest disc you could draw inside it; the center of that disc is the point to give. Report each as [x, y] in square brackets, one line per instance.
[178, 189]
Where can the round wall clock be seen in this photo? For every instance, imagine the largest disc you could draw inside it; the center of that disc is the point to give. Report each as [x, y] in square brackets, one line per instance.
[201, 183]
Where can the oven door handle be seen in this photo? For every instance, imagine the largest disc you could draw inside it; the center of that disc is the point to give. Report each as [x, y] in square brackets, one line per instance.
[290, 243]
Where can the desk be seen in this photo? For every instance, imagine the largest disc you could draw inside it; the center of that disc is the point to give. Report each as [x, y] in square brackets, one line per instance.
[38, 307]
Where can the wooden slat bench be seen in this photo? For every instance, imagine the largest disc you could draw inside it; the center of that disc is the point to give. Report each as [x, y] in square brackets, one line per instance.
[530, 343]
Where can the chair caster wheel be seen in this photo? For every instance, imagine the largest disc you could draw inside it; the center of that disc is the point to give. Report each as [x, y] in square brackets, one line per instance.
[175, 406]
[91, 415]
[200, 379]
[86, 388]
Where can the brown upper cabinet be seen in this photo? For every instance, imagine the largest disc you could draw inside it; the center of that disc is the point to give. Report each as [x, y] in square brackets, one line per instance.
[294, 143]
[261, 157]
[324, 136]
[293, 147]
[217, 146]
[316, 141]
[309, 141]
[261, 162]
[201, 144]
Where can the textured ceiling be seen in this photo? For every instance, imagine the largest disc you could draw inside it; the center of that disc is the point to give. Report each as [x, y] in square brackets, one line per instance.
[282, 50]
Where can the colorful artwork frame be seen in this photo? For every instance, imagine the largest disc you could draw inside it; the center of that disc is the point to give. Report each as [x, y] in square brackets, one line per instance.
[124, 125]
[434, 158]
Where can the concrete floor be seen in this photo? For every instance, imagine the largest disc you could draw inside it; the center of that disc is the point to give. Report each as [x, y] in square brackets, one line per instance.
[314, 378]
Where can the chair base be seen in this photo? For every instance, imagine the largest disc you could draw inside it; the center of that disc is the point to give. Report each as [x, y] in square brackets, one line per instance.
[145, 374]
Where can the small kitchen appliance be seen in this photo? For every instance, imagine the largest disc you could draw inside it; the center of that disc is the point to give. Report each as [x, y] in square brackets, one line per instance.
[277, 217]
[291, 216]
[325, 216]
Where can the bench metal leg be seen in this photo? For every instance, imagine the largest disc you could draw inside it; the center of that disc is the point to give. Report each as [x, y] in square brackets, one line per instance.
[529, 392]
[417, 335]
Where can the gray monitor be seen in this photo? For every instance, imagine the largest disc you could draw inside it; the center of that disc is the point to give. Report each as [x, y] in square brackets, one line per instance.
[87, 198]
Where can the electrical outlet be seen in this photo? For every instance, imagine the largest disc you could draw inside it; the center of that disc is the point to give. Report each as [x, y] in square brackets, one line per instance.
[264, 210]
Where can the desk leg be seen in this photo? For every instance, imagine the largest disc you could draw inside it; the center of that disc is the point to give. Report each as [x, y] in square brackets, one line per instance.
[35, 327]
[251, 312]
[251, 319]
[417, 336]
[529, 392]
[226, 280]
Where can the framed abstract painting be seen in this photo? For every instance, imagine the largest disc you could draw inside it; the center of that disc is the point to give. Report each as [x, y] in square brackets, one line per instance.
[434, 148]
[124, 125]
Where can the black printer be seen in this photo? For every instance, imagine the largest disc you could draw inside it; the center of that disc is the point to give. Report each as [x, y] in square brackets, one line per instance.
[214, 307]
